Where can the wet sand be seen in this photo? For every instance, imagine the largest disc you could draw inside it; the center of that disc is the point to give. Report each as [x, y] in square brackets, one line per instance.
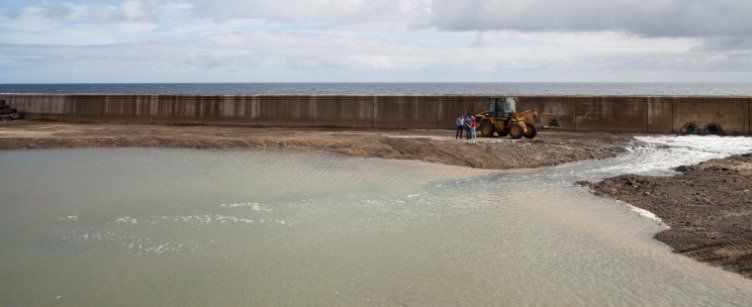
[708, 207]
[439, 146]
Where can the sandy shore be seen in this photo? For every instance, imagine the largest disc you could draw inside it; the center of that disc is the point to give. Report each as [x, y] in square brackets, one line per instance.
[439, 146]
[708, 207]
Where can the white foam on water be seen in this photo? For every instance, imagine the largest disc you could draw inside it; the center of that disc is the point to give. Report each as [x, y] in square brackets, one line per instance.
[207, 219]
[71, 218]
[192, 219]
[413, 195]
[660, 154]
[253, 206]
[644, 213]
[138, 244]
[126, 220]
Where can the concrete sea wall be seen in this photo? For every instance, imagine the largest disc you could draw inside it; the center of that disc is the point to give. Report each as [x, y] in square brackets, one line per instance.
[646, 114]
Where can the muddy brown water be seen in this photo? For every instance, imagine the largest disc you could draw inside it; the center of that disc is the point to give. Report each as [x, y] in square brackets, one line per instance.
[204, 227]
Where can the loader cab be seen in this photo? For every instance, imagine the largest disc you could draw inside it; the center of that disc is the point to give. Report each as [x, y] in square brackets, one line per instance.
[503, 107]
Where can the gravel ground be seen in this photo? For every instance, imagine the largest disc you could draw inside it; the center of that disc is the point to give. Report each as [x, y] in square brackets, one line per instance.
[708, 207]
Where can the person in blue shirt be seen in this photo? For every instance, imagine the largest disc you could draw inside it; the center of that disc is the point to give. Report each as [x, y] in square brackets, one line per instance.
[468, 126]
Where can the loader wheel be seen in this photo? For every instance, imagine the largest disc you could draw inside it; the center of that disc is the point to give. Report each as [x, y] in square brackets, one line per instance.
[516, 130]
[532, 132]
[487, 130]
[503, 133]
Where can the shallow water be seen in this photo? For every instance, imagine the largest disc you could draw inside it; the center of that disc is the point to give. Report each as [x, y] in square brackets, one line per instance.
[200, 227]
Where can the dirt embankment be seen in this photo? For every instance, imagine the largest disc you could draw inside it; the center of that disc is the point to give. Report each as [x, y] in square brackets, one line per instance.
[708, 207]
[439, 146]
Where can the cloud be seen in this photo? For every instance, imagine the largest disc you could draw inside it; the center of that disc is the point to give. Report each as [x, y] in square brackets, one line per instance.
[359, 40]
[384, 15]
[58, 11]
[269, 56]
[131, 10]
[655, 18]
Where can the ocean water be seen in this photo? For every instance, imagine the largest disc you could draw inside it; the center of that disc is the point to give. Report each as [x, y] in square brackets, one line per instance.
[722, 89]
[207, 227]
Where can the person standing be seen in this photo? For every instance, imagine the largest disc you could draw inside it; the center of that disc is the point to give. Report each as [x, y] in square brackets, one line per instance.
[475, 126]
[460, 122]
[468, 125]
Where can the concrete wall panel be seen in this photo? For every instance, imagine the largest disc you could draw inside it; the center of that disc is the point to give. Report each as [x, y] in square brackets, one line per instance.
[343, 111]
[14, 101]
[171, 109]
[18, 101]
[616, 114]
[43, 107]
[129, 109]
[292, 110]
[399, 112]
[730, 112]
[87, 108]
[660, 112]
[561, 106]
[230, 110]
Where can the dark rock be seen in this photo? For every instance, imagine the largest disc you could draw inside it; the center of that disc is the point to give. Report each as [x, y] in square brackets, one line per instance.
[707, 207]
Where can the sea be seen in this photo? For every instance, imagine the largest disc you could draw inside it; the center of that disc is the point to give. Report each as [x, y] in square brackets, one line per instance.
[458, 88]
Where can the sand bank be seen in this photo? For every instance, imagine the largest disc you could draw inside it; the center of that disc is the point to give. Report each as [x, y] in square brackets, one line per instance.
[439, 146]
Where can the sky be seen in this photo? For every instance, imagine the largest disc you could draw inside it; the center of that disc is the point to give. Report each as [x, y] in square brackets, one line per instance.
[375, 41]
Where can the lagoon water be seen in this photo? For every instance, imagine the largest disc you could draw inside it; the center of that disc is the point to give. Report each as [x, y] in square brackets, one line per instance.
[204, 227]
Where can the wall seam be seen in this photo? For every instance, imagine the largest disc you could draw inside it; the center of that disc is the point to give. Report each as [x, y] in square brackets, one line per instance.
[312, 109]
[203, 106]
[673, 115]
[574, 116]
[107, 109]
[373, 112]
[647, 115]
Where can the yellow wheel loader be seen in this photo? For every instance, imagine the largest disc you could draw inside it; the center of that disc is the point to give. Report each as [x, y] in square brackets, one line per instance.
[503, 119]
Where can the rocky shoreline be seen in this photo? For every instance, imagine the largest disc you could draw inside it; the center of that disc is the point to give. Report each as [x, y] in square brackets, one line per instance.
[708, 208]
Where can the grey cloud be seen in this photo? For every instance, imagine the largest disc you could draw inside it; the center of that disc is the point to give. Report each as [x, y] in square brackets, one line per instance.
[655, 18]
[130, 10]
[308, 11]
[57, 11]
[13, 14]
[727, 43]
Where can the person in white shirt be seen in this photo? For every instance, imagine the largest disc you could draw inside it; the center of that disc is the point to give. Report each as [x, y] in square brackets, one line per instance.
[460, 122]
